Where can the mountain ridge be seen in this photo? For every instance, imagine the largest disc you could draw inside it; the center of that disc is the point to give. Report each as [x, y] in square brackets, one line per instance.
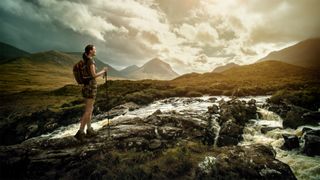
[305, 53]
[154, 69]
[8, 51]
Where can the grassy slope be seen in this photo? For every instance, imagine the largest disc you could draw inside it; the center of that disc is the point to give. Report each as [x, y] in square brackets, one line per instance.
[40, 71]
[256, 79]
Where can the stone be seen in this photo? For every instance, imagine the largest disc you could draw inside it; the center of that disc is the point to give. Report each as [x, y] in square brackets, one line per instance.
[243, 162]
[266, 129]
[290, 142]
[155, 144]
[214, 109]
[312, 143]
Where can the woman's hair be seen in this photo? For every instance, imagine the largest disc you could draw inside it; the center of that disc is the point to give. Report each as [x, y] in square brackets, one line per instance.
[88, 48]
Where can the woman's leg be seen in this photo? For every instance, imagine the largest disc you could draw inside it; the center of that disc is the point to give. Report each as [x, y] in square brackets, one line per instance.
[86, 117]
[88, 122]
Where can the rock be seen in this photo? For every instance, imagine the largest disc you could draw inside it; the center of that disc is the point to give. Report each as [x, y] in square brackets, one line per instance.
[280, 109]
[243, 162]
[252, 102]
[214, 109]
[157, 112]
[212, 99]
[306, 129]
[155, 144]
[298, 116]
[230, 134]
[311, 117]
[312, 143]
[234, 114]
[290, 142]
[266, 129]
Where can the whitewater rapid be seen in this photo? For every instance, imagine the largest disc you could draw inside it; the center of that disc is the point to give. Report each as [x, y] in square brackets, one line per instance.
[304, 167]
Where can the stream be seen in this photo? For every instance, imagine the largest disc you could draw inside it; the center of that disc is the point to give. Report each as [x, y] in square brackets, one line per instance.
[304, 167]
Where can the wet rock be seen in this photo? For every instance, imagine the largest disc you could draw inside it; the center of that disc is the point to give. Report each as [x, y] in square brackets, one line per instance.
[157, 112]
[312, 143]
[281, 109]
[234, 114]
[266, 129]
[290, 142]
[214, 109]
[212, 99]
[243, 162]
[295, 116]
[230, 134]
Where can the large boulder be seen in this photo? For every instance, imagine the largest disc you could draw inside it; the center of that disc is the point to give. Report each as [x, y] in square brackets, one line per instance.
[230, 134]
[243, 162]
[290, 142]
[234, 114]
[312, 143]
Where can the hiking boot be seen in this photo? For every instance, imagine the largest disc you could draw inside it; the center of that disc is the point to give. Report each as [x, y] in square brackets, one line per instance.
[91, 132]
[80, 135]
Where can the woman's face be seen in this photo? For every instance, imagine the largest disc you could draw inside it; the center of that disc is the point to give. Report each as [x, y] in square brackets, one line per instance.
[93, 51]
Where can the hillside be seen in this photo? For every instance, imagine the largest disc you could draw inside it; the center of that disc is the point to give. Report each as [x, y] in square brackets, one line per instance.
[154, 69]
[305, 53]
[267, 75]
[8, 52]
[40, 71]
[224, 67]
[129, 69]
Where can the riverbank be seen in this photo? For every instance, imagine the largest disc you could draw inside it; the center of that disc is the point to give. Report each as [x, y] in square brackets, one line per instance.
[170, 138]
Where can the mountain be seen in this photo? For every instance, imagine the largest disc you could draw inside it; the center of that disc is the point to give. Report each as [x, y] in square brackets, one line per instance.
[112, 72]
[224, 67]
[268, 70]
[305, 53]
[154, 69]
[129, 69]
[39, 71]
[42, 71]
[267, 74]
[7, 52]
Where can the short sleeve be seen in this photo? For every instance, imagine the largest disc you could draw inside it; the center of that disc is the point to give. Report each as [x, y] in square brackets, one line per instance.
[90, 61]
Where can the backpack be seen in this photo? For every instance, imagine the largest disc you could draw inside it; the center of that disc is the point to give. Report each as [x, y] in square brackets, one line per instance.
[81, 73]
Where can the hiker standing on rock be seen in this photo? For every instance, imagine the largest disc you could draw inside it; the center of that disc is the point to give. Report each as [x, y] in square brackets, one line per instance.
[89, 92]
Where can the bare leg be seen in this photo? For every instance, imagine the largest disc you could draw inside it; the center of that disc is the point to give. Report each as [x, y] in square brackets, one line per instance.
[86, 117]
[90, 114]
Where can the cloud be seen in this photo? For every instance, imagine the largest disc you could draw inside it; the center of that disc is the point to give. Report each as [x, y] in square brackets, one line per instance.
[190, 35]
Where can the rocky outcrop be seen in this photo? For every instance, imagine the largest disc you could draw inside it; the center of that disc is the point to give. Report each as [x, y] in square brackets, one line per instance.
[295, 116]
[312, 143]
[105, 157]
[48, 120]
[164, 145]
[290, 142]
[243, 162]
[234, 114]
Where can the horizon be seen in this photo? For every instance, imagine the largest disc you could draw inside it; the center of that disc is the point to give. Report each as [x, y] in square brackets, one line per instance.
[191, 36]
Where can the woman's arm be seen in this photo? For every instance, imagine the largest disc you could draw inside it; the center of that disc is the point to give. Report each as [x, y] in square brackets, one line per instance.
[93, 71]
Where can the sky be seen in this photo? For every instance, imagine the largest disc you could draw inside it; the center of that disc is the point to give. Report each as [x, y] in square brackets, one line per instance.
[190, 35]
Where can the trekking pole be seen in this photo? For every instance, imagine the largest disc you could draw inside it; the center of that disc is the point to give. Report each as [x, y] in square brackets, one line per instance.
[107, 96]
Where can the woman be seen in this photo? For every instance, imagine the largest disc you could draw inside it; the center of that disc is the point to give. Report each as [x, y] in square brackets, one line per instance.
[89, 92]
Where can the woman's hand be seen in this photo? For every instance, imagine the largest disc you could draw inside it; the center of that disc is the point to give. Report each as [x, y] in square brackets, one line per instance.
[105, 69]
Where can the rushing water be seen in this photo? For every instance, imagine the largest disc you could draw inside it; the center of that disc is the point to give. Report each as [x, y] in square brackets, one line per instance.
[304, 167]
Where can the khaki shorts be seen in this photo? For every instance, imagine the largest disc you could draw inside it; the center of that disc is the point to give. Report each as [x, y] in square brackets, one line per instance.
[90, 90]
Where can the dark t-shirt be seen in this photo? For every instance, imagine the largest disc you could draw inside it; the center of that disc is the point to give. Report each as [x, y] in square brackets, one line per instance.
[91, 61]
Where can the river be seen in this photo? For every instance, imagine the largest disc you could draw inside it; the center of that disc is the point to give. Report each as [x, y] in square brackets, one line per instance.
[304, 167]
